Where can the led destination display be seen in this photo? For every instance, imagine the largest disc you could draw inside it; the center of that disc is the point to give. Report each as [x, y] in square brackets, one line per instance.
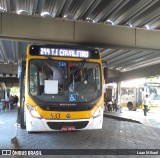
[64, 52]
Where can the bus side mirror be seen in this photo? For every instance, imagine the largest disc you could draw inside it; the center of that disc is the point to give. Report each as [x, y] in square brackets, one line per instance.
[19, 71]
[106, 73]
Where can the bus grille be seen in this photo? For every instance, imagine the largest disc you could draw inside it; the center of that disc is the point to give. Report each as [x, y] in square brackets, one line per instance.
[68, 108]
[59, 125]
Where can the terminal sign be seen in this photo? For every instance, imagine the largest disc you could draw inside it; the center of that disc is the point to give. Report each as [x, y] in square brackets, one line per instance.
[64, 52]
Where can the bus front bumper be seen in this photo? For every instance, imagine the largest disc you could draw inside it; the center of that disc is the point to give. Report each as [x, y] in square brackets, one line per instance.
[34, 124]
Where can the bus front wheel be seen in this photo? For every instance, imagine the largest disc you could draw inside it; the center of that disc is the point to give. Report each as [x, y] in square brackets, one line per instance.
[130, 105]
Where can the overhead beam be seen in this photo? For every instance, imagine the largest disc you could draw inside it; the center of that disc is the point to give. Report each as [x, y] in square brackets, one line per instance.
[8, 69]
[113, 76]
[49, 30]
[35, 28]
[9, 80]
[148, 71]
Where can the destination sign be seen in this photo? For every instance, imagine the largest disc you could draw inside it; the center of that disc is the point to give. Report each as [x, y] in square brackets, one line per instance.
[153, 84]
[64, 52]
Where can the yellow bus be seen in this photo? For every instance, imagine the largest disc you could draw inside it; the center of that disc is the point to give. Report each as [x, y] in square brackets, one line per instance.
[62, 88]
[133, 97]
[153, 91]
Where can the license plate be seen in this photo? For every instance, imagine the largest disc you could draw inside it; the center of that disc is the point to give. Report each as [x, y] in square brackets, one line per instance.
[68, 128]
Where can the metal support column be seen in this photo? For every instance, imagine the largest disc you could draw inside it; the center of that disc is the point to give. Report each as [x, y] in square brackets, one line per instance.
[20, 118]
[118, 93]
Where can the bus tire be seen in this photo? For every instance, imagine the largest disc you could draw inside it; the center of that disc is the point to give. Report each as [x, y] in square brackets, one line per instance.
[32, 132]
[130, 105]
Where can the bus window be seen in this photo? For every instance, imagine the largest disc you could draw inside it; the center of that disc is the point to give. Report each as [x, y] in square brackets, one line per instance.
[77, 77]
[33, 80]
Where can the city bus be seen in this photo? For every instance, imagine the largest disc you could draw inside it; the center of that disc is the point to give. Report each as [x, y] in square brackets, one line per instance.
[61, 88]
[153, 91]
[133, 97]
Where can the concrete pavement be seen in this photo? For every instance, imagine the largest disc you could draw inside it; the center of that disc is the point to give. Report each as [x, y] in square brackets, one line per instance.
[7, 127]
[8, 122]
[152, 119]
[122, 134]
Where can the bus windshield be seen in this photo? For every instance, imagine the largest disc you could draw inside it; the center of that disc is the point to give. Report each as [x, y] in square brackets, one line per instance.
[64, 81]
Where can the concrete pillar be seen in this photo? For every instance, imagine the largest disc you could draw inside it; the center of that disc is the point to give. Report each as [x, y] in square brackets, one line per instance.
[2, 85]
[118, 93]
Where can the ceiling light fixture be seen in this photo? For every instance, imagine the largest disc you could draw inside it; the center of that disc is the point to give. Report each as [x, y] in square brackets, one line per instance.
[45, 14]
[147, 26]
[2, 9]
[64, 16]
[110, 21]
[130, 25]
[24, 12]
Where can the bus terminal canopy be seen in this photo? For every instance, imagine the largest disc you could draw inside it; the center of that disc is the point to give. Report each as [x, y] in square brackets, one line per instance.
[126, 32]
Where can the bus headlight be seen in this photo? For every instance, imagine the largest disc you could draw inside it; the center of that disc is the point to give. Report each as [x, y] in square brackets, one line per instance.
[99, 111]
[34, 113]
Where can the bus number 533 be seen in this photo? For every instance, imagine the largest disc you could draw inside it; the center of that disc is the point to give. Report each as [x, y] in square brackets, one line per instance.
[55, 115]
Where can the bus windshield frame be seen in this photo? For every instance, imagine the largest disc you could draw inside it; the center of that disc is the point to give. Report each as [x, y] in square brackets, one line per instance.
[75, 81]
